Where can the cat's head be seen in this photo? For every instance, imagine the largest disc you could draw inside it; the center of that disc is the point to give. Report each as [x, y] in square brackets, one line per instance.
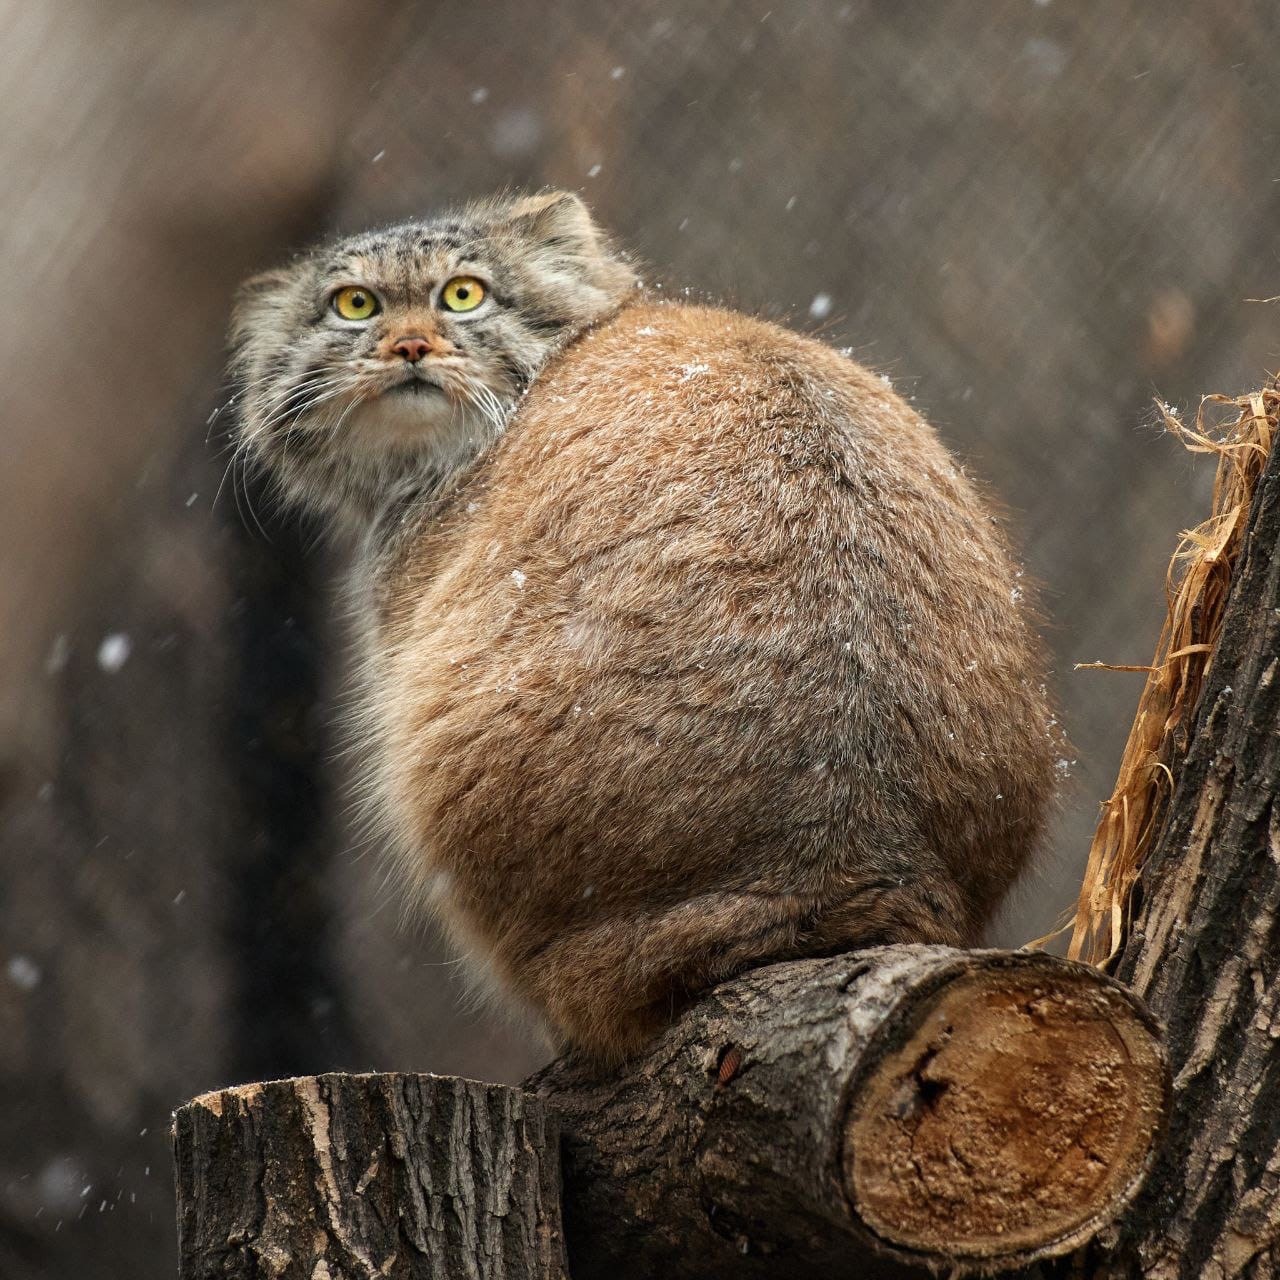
[386, 360]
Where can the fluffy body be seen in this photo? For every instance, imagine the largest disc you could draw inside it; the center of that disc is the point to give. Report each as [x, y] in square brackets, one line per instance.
[712, 657]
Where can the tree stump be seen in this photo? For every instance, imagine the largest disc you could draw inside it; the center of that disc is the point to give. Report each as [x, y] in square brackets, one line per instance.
[342, 1177]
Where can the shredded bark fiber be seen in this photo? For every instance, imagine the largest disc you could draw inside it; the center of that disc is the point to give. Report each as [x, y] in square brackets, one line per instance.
[1197, 584]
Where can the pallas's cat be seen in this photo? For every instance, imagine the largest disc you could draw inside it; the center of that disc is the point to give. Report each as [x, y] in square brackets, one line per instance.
[687, 646]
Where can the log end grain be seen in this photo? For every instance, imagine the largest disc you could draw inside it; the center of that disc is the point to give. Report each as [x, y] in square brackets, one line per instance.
[1014, 1114]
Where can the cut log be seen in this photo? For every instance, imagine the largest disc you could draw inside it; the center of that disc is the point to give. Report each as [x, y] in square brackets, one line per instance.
[341, 1177]
[855, 1116]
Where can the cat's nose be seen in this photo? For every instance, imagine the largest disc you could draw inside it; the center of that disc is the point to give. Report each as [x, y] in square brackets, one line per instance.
[412, 348]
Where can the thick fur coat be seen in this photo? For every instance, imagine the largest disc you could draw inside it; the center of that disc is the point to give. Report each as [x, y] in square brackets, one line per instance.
[709, 656]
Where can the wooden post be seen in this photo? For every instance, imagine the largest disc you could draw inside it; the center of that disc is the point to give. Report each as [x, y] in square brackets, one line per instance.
[342, 1177]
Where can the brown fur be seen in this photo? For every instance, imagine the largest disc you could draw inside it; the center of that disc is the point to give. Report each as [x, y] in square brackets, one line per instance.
[715, 657]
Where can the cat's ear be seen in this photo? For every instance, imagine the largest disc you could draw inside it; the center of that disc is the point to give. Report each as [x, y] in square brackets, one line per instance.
[255, 300]
[559, 224]
[556, 218]
[264, 282]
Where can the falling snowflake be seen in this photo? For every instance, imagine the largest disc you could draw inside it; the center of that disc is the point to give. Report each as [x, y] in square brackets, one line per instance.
[23, 972]
[114, 652]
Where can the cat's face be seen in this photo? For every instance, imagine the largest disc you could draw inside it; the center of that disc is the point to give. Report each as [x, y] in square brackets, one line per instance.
[387, 360]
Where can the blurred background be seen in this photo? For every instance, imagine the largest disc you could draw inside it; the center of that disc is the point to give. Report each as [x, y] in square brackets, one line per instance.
[1035, 216]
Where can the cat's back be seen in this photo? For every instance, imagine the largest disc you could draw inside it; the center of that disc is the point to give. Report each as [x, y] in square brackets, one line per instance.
[670, 419]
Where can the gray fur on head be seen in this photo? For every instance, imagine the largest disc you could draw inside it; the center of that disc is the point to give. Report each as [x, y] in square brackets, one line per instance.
[341, 421]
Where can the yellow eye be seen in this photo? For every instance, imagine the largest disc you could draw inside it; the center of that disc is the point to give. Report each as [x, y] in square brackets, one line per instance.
[355, 303]
[462, 293]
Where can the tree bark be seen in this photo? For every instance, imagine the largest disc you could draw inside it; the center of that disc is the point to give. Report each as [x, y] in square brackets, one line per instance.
[862, 1115]
[1204, 952]
[341, 1177]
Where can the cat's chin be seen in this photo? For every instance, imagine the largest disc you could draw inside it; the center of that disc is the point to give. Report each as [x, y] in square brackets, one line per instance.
[407, 414]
